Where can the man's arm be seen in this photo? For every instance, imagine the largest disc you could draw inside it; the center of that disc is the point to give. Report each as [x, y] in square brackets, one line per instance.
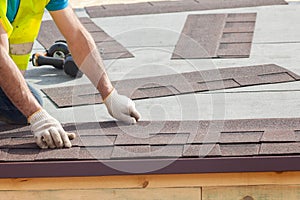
[12, 81]
[88, 59]
[83, 49]
[47, 131]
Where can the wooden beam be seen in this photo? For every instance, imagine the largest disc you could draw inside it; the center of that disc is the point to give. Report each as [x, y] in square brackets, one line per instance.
[153, 181]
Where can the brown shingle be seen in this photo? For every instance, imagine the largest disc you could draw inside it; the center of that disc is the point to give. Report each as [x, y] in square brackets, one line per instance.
[297, 135]
[58, 154]
[167, 139]
[241, 137]
[216, 85]
[97, 141]
[175, 84]
[204, 150]
[276, 77]
[236, 37]
[172, 127]
[278, 135]
[236, 17]
[159, 91]
[239, 27]
[216, 35]
[279, 148]
[4, 142]
[85, 20]
[49, 33]
[110, 46]
[22, 154]
[116, 55]
[231, 50]
[131, 152]
[92, 28]
[23, 143]
[3, 154]
[204, 136]
[200, 36]
[239, 149]
[167, 151]
[95, 153]
[8, 131]
[235, 146]
[174, 6]
[136, 139]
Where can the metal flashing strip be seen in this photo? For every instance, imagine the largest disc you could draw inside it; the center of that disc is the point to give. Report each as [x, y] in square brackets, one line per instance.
[179, 166]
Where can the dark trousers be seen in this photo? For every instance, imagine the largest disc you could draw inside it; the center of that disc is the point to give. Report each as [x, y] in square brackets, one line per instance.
[9, 113]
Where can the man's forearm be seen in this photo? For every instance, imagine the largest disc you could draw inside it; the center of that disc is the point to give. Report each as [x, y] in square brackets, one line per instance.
[12, 81]
[86, 55]
[14, 86]
[83, 49]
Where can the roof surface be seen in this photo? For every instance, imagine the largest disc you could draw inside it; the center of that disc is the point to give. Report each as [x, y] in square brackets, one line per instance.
[163, 147]
[110, 148]
[173, 6]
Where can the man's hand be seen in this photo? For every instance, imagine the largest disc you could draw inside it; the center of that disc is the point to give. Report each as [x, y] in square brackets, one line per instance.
[121, 108]
[48, 132]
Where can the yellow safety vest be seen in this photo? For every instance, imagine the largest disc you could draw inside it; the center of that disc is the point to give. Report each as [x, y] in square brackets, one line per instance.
[24, 30]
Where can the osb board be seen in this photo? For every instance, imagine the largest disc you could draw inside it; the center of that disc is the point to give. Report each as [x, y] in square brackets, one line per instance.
[106, 194]
[216, 36]
[251, 193]
[173, 6]
[108, 47]
[175, 84]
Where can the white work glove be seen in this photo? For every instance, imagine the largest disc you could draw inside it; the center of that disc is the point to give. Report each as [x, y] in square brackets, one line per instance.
[48, 132]
[122, 108]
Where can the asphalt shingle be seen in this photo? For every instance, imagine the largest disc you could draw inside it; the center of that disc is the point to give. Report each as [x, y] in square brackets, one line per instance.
[159, 141]
[175, 84]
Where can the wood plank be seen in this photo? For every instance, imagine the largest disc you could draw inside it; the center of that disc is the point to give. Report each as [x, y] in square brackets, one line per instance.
[106, 194]
[153, 181]
[281, 192]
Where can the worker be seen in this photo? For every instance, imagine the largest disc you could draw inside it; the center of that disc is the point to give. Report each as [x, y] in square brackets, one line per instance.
[19, 102]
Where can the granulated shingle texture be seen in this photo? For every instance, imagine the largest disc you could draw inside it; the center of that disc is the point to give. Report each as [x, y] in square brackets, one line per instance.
[175, 84]
[173, 6]
[216, 36]
[233, 145]
[108, 47]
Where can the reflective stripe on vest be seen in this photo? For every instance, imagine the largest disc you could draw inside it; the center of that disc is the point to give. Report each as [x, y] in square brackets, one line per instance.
[20, 49]
[25, 30]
